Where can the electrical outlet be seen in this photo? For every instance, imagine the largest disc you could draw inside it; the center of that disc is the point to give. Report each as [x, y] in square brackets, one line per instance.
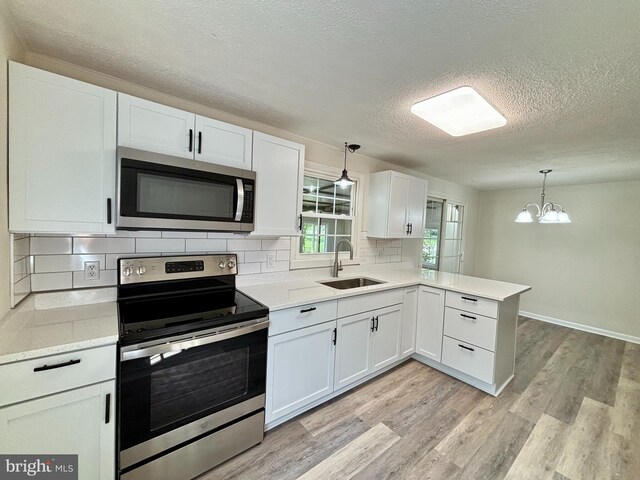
[271, 260]
[91, 270]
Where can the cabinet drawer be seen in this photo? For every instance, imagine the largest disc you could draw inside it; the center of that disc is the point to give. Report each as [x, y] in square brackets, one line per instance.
[371, 301]
[303, 316]
[70, 370]
[472, 303]
[469, 359]
[470, 327]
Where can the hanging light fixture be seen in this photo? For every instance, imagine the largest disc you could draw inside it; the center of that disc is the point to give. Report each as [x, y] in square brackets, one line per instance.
[344, 181]
[546, 212]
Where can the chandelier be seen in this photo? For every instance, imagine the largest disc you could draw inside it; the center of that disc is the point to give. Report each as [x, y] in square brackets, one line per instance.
[545, 212]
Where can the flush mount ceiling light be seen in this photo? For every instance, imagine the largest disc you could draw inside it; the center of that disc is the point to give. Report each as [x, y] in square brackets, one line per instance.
[344, 181]
[459, 112]
[546, 212]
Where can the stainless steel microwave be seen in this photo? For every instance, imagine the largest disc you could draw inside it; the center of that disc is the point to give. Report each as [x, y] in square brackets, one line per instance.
[161, 192]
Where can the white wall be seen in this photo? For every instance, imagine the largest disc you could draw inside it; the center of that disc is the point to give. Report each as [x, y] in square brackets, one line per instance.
[10, 49]
[587, 272]
[315, 151]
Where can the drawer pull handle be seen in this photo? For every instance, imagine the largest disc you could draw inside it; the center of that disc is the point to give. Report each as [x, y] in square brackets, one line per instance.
[469, 299]
[305, 310]
[466, 348]
[57, 365]
[468, 316]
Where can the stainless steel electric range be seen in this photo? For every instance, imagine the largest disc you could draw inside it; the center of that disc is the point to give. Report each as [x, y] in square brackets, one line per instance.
[193, 354]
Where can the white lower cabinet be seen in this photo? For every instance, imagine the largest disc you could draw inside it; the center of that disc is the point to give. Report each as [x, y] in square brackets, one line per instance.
[409, 317]
[385, 347]
[430, 322]
[366, 343]
[468, 358]
[79, 421]
[299, 368]
[353, 348]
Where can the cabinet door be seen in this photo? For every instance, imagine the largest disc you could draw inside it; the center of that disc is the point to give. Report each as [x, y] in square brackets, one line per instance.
[154, 127]
[279, 167]
[416, 205]
[299, 368]
[385, 347]
[398, 206]
[73, 422]
[353, 349]
[409, 316]
[430, 322]
[62, 141]
[222, 143]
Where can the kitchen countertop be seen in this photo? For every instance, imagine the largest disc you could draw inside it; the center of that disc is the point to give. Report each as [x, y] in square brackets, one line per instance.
[29, 333]
[280, 295]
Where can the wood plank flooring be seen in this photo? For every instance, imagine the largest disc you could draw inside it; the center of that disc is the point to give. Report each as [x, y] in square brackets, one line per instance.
[571, 412]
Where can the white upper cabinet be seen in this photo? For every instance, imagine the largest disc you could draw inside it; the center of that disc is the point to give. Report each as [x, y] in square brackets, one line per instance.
[396, 205]
[157, 128]
[222, 143]
[279, 167]
[62, 141]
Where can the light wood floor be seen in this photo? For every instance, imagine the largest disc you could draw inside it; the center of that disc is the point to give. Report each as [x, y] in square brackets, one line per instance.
[572, 412]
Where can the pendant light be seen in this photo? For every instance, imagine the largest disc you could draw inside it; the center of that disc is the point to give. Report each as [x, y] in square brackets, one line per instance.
[546, 212]
[344, 181]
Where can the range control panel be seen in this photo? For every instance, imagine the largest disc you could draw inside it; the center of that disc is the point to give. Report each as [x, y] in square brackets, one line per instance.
[157, 269]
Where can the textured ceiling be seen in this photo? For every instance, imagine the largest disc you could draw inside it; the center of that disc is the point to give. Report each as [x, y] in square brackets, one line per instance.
[565, 74]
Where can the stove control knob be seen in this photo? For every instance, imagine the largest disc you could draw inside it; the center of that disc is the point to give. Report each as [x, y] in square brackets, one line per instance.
[231, 264]
[140, 270]
[222, 265]
[127, 271]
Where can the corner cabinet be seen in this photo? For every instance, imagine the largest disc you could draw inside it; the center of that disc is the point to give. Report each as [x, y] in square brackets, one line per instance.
[397, 205]
[279, 167]
[62, 142]
[158, 128]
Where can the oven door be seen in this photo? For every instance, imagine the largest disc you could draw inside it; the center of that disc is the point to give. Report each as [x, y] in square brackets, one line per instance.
[161, 192]
[171, 393]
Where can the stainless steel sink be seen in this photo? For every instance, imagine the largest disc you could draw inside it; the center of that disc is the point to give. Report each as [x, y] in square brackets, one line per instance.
[352, 283]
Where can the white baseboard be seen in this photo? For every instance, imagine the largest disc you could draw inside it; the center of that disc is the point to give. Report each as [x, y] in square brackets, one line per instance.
[580, 326]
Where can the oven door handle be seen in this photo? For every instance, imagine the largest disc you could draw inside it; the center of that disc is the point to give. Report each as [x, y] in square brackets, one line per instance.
[181, 345]
[240, 205]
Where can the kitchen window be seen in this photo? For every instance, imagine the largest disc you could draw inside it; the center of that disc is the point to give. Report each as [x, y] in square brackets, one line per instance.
[328, 216]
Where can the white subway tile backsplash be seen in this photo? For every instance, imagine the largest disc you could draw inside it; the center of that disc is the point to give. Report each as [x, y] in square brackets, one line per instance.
[51, 281]
[259, 256]
[65, 263]
[104, 245]
[107, 278]
[145, 245]
[206, 245]
[276, 244]
[21, 247]
[241, 244]
[172, 234]
[56, 262]
[248, 268]
[50, 245]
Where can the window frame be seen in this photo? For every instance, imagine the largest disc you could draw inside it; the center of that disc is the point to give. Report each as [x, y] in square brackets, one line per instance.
[313, 260]
[446, 202]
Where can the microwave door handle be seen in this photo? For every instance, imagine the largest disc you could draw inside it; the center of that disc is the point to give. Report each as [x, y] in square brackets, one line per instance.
[240, 205]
